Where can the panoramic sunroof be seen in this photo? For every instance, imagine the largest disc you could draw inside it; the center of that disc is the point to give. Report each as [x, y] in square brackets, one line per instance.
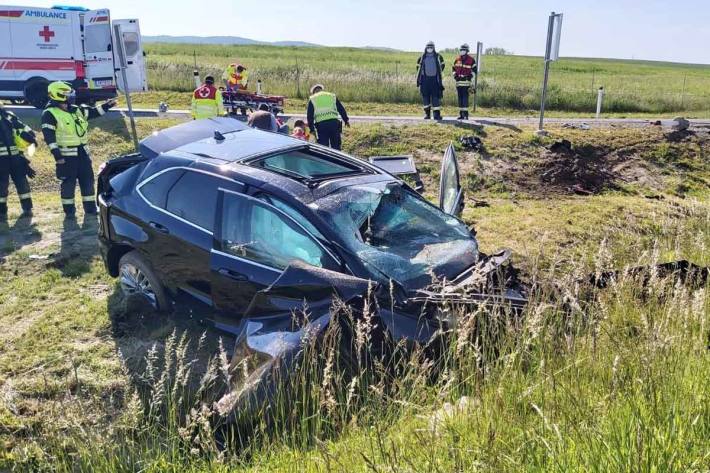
[307, 166]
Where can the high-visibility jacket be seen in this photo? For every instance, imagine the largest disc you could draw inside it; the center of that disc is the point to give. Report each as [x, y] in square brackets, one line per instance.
[207, 102]
[463, 70]
[66, 131]
[15, 136]
[234, 79]
[325, 106]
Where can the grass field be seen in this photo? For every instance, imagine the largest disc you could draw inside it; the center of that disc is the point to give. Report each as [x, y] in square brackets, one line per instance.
[507, 83]
[622, 385]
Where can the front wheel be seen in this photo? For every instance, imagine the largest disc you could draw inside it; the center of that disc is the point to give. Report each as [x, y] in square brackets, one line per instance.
[139, 284]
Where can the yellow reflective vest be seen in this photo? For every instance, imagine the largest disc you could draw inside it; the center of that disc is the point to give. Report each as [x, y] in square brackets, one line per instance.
[325, 106]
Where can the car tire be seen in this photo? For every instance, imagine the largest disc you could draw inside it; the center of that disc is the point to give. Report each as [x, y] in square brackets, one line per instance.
[139, 284]
[36, 92]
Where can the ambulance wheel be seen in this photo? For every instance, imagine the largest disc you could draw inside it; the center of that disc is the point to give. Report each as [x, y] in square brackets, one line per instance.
[36, 92]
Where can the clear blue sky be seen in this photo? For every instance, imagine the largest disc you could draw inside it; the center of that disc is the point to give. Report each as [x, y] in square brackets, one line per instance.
[642, 29]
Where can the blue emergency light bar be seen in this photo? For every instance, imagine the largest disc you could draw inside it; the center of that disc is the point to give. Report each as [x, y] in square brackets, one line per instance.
[69, 8]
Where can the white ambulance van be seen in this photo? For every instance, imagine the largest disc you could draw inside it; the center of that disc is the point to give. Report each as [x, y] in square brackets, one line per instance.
[73, 44]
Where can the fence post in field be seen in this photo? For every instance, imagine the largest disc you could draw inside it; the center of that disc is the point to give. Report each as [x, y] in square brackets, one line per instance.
[600, 99]
[298, 80]
[682, 94]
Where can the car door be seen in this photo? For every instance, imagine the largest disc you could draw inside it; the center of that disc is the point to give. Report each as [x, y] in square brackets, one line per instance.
[181, 224]
[450, 190]
[254, 243]
[98, 49]
[135, 62]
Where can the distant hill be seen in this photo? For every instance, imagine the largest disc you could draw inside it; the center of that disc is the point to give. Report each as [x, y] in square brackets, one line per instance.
[229, 40]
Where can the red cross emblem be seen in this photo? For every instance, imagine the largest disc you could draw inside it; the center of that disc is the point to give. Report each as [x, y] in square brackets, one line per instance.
[47, 34]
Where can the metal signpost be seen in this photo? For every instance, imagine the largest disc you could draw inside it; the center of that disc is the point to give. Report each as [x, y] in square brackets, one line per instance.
[479, 53]
[552, 53]
[120, 50]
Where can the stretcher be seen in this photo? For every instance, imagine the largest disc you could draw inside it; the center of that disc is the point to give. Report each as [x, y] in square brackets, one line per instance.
[239, 101]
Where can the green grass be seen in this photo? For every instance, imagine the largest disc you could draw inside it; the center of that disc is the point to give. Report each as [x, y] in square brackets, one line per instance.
[620, 385]
[388, 78]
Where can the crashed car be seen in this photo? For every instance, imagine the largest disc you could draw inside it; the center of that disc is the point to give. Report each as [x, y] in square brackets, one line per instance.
[257, 224]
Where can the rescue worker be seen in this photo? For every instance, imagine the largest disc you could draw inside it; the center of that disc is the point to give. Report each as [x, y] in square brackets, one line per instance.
[207, 101]
[65, 128]
[236, 77]
[430, 80]
[464, 68]
[322, 115]
[15, 137]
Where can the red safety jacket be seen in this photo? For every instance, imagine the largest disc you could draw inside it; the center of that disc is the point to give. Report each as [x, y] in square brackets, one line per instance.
[463, 70]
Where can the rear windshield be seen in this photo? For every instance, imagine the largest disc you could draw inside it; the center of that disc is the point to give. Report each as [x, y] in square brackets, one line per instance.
[396, 233]
[305, 165]
[97, 38]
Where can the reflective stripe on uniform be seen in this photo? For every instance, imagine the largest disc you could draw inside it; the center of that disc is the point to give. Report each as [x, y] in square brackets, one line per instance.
[100, 110]
[67, 201]
[463, 83]
[463, 109]
[436, 109]
[3, 200]
[3, 151]
[426, 107]
[25, 196]
[87, 198]
[69, 151]
[53, 146]
[27, 129]
[48, 126]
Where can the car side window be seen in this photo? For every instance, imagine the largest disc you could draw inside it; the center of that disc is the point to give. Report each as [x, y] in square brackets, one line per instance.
[193, 198]
[291, 212]
[258, 232]
[156, 190]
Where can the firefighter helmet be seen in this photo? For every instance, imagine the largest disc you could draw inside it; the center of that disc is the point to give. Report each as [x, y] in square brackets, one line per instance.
[430, 44]
[59, 91]
[209, 79]
[315, 87]
[464, 47]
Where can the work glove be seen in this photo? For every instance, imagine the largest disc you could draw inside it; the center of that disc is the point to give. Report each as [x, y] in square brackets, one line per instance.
[29, 172]
[61, 170]
[109, 104]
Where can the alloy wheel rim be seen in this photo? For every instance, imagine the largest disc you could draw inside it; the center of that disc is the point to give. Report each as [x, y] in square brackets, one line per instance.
[135, 282]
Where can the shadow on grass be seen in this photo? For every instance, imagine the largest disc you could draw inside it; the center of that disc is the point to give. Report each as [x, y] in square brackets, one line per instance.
[21, 233]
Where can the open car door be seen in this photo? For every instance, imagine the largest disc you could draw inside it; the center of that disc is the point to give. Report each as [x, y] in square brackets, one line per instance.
[450, 190]
[135, 62]
[98, 49]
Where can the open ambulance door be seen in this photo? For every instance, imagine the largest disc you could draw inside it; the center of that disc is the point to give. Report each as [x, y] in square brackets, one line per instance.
[135, 60]
[98, 49]
[450, 190]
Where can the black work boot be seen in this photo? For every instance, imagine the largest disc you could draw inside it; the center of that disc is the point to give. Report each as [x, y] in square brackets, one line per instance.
[437, 114]
[90, 207]
[69, 211]
[427, 114]
[26, 207]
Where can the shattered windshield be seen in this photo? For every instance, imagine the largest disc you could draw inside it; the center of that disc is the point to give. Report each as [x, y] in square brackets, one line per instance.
[397, 232]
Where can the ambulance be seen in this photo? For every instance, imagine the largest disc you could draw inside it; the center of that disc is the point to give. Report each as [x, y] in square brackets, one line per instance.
[73, 44]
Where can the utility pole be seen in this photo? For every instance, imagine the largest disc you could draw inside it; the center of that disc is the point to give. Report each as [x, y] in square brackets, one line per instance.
[552, 53]
[479, 53]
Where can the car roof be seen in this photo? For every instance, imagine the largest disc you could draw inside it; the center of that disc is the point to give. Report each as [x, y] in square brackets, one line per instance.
[241, 145]
[223, 144]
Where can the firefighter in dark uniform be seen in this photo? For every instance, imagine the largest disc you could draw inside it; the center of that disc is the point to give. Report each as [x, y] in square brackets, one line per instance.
[464, 68]
[66, 130]
[430, 81]
[322, 114]
[15, 137]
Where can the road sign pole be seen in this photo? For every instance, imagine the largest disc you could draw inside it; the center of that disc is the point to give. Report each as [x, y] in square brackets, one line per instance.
[123, 65]
[548, 49]
[479, 50]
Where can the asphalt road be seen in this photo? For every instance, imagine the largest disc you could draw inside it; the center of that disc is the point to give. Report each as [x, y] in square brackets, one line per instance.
[28, 111]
